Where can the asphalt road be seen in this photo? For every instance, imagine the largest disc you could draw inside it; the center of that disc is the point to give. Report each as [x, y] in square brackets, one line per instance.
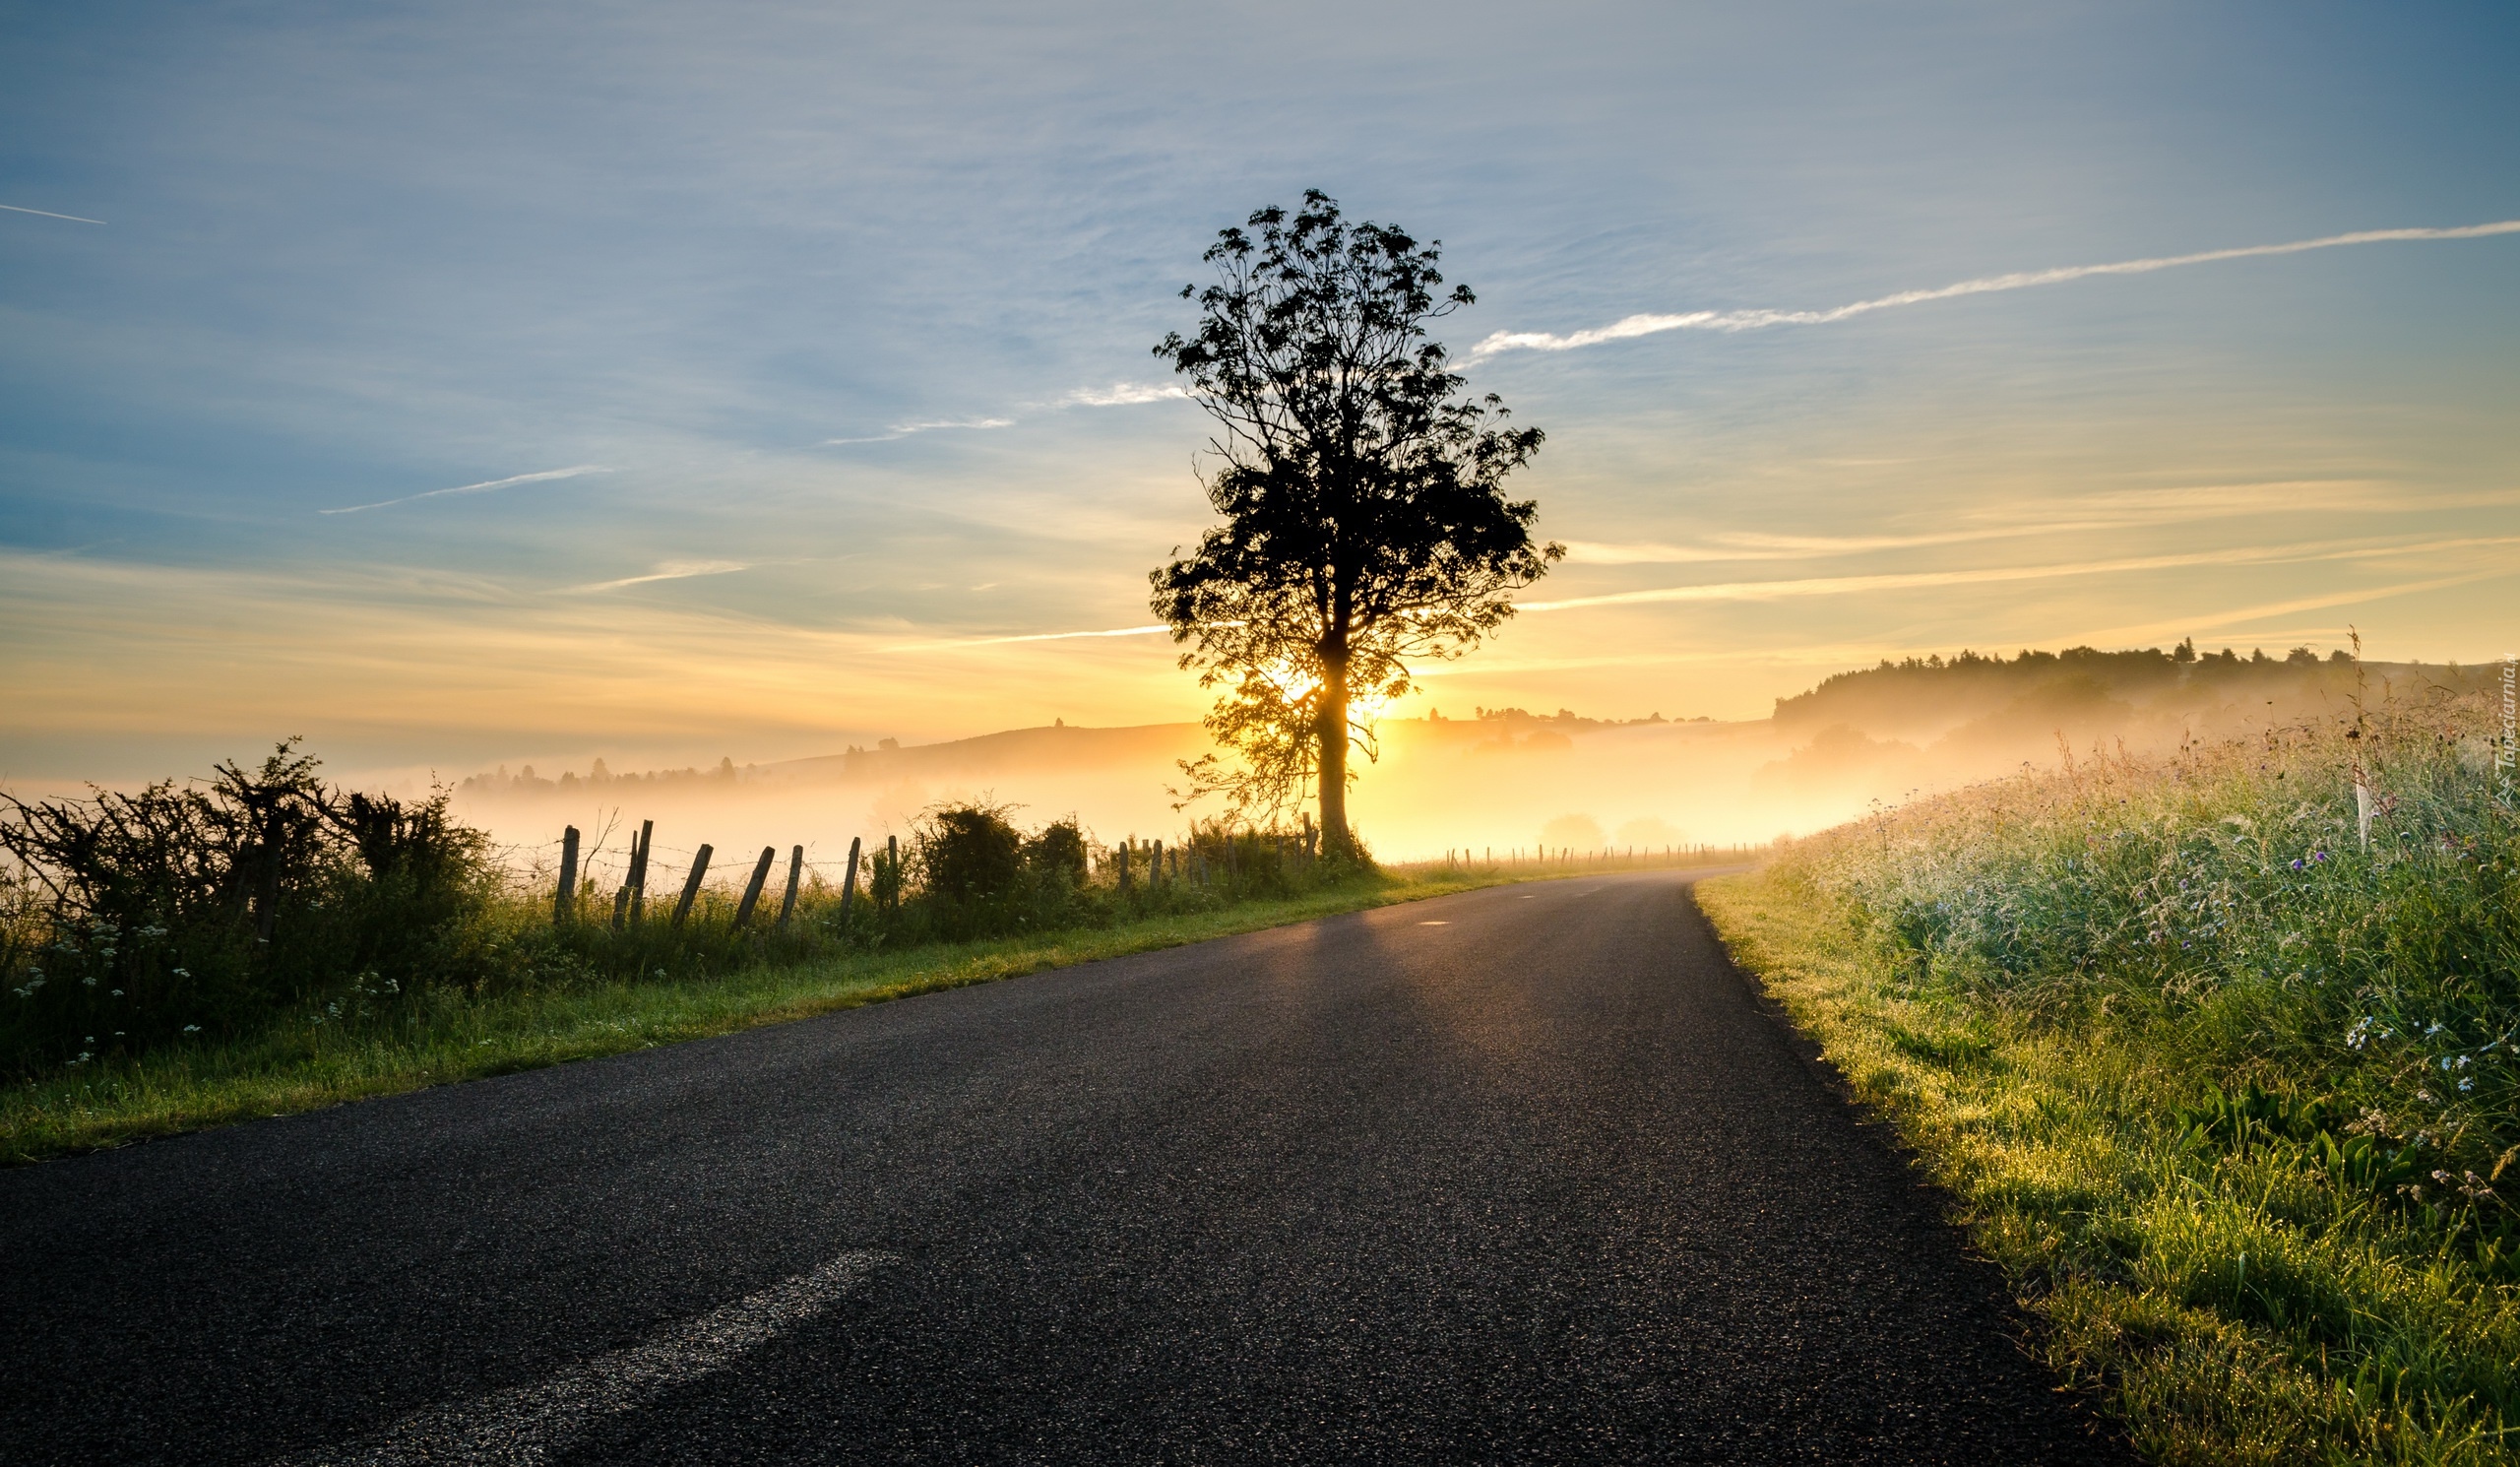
[1526, 1175]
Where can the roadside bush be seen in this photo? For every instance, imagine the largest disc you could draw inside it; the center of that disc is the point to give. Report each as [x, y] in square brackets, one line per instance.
[981, 877]
[971, 854]
[1058, 854]
[139, 917]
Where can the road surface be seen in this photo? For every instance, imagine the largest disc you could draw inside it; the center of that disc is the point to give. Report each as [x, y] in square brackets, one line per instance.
[1526, 1175]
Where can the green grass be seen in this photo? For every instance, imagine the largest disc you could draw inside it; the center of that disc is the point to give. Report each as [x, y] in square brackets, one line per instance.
[2186, 1053]
[442, 1036]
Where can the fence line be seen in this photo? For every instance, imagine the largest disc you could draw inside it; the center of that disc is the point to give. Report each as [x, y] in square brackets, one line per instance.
[1217, 855]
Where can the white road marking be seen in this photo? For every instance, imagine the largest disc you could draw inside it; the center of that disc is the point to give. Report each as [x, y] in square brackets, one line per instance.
[1434, 923]
[524, 1425]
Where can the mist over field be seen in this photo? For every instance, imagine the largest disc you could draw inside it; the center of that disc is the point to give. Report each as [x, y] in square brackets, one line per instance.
[1490, 780]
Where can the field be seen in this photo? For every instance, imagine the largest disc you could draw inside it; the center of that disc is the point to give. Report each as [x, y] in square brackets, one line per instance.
[2215, 1052]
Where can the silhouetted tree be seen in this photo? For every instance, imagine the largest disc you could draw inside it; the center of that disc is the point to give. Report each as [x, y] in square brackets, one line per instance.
[1366, 526]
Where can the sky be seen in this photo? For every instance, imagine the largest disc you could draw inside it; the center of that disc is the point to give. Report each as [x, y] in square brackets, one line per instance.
[469, 383]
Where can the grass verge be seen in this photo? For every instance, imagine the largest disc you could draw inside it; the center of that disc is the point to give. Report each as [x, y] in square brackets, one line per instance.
[2229, 1117]
[443, 1036]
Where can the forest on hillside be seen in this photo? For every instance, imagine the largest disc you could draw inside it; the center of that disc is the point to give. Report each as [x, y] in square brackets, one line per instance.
[1930, 696]
[1934, 722]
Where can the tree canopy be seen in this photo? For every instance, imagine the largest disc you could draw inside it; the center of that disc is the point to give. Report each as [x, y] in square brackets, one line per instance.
[1365, 522]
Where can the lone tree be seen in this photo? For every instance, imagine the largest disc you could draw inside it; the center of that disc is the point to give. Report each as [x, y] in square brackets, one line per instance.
[1366, 526]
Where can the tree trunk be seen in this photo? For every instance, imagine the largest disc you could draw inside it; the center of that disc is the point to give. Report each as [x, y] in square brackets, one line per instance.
[1332, 731]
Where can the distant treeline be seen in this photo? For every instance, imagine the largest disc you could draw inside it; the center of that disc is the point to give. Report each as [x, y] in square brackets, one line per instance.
[500, 781]
[1933, 689]
[1564, 718]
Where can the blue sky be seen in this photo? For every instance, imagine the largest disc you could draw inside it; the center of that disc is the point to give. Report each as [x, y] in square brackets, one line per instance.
[356, 253]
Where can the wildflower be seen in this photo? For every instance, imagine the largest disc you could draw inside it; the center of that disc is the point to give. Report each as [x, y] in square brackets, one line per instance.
[2297, 862]
[183, 973]
[192, 1029]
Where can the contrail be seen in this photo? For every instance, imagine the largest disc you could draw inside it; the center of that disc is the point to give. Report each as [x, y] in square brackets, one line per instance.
[1755, 320]
[1760, 590]
[671, 570]
[1122, 395]
[1119, 631]
[905, 430]
[483, 487]
[76, 218]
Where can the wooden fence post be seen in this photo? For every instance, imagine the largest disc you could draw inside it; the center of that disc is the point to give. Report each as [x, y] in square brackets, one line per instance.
[796, 873]
[691, 887]
[567, 896]
[892, 862]
[849, 884]
[620, 905]
[639, 870]
[752, 888]
[1123, 855]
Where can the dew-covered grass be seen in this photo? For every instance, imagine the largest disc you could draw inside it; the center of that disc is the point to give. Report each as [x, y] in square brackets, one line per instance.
[2215, 1052]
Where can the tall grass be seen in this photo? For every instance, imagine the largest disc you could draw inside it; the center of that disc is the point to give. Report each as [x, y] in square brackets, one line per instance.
[2217, 1048]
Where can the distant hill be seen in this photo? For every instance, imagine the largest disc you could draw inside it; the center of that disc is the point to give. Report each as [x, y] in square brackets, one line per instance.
[1972, 698]
[1508, 776]
[1057, 747]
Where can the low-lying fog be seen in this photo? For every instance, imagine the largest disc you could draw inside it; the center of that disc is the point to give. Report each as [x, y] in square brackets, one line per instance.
[1489, 783]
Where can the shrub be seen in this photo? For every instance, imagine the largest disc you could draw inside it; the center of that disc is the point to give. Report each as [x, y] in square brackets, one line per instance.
[971, 854]
[177, 909]
[1057, 854]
